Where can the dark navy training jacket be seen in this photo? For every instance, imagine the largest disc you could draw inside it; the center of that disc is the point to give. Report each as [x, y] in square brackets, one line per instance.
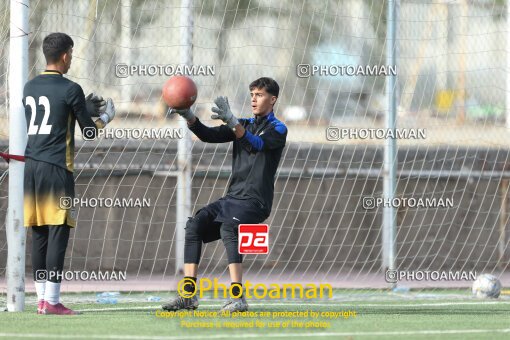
[255, 157]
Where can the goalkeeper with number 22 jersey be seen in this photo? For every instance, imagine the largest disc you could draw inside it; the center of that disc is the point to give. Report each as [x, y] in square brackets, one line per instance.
[53, 104]
[258, 145]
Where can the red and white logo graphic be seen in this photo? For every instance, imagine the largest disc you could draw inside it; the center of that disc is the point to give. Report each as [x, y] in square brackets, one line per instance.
[253, 239]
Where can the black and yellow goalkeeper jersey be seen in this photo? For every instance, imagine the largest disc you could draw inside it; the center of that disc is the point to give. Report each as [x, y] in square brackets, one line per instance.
[53, 104]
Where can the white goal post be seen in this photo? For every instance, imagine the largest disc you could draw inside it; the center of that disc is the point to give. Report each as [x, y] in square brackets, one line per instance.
[16, 233]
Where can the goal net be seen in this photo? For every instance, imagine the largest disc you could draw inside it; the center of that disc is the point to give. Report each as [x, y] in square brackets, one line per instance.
[327, 223]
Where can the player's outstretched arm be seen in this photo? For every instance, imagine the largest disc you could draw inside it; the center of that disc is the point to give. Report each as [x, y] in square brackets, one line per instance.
[186, 114]
[224, 113]
[217, 134]
[273, 139]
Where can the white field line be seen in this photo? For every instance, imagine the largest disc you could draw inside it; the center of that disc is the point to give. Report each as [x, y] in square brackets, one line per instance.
[258, 335]
[343, 305]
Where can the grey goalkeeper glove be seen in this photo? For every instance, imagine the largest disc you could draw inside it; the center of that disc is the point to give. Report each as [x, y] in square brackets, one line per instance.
[184, 113]
[95, 104]
[223, 112]
[109, 112]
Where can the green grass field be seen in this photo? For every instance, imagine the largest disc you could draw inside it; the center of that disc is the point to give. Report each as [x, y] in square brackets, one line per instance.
[383, 315]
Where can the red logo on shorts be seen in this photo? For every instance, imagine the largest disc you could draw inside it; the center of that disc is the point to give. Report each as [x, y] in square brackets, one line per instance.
[253, 239]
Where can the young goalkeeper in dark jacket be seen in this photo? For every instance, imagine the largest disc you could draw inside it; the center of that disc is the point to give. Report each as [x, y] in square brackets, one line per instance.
[258, 145]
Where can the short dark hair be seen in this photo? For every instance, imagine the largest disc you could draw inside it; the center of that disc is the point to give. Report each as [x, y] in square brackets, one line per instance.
[268, 84]
[56, 44]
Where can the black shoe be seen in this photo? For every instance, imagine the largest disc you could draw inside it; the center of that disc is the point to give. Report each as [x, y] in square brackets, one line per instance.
[181, 303]
[236, 305]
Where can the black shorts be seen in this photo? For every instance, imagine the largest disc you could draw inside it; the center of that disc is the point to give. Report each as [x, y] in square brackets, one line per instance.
[47, 191]
[231, 211]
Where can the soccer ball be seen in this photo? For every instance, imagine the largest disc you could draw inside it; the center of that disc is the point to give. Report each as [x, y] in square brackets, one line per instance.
[486, 286]
[179, 92]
